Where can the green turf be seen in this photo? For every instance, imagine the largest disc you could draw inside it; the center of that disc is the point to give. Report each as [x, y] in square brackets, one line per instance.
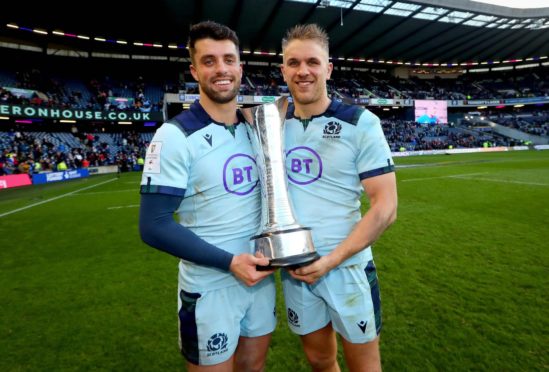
[464, 274]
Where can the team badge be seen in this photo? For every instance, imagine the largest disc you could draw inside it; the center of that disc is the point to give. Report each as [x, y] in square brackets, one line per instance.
[217, 344]
[332, 130]
[293, 318]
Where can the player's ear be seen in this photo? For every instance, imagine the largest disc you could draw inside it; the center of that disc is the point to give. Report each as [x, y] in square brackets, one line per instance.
[330, 69]
[193, 72]
[282, 71]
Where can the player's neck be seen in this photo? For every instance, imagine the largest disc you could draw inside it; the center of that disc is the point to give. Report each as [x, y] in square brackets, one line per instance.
[307, 111]
[220, 112]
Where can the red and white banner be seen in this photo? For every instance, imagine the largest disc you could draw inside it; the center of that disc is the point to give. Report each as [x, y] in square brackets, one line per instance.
[14, 180]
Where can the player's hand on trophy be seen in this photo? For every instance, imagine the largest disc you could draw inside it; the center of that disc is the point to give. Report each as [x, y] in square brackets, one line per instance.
[311, 273]
[244, 268]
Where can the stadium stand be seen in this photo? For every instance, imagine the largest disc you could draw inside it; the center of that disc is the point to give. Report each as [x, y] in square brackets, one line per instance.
[61, 73]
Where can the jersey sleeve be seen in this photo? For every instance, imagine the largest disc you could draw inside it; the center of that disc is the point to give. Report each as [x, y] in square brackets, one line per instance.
[159, 230]
[167, 163]
[374, 154]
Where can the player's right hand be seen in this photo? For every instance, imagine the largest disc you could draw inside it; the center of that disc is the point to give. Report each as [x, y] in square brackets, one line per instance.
[244, 268]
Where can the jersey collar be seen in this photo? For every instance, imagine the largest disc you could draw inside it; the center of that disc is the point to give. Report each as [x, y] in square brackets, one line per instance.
[330, 111]
[205, 119]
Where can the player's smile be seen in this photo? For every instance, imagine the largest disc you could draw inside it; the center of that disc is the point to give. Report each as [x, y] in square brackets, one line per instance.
[306, 69]
[217, 69]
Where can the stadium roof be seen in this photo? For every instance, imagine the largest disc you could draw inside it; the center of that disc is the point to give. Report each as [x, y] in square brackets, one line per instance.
[428, 31]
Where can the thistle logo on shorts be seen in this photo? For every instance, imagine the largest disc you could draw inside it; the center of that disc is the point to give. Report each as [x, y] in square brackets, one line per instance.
[217, 344]
[331, 130]
[293, 318]
[240, 174]
[303, 165]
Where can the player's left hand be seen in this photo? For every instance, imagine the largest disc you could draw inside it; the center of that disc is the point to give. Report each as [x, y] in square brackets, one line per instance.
[311, 273]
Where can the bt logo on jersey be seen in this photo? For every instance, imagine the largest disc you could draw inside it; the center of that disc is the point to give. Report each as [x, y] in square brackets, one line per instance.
[304, 165]
[298, 164]
[240, 174]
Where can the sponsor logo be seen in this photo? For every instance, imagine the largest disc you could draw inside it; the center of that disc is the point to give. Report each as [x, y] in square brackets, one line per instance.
[57, 176]
[240, 174]
[293, 318]
[362, 325]
[152, 158]
[55, 113]
[208, 137]
[304, 165]
[217, 344]
[154, 147]
[264, 99]
[332, 130]
[71, 174]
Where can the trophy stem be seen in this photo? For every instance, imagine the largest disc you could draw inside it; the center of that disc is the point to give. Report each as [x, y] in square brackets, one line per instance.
[280, 238]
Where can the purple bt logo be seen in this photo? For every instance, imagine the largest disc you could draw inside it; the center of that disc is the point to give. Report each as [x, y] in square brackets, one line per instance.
[240, 174]
[303, 165]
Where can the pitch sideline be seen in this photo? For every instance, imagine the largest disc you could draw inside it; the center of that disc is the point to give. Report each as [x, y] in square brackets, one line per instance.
[55, 198]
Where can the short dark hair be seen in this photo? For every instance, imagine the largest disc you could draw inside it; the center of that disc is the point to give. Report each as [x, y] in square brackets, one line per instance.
[210, 30]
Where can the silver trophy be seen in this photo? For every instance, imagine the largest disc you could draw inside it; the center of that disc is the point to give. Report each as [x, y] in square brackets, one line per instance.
[280, 238]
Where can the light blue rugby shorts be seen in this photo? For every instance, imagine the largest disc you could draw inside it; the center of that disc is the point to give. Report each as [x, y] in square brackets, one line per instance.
[346, 296]
[211, 322]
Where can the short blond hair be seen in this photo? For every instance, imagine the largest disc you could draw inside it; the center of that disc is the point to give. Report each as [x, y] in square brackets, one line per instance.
[307, 32]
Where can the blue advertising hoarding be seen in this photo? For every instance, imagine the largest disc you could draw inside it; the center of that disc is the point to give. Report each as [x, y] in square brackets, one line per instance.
[59, 176]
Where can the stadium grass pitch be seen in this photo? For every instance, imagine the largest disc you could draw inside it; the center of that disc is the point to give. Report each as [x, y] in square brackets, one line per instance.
[463, 274]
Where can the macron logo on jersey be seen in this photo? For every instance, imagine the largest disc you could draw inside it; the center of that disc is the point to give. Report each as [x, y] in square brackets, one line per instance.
[208, 137]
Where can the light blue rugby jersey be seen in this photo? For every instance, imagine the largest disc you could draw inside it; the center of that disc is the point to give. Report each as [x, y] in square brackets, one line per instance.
[215, 168]
[326, 159]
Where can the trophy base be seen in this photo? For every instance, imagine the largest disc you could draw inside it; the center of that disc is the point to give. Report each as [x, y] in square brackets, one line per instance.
[289, 248]
[279, 244]
[292, 262]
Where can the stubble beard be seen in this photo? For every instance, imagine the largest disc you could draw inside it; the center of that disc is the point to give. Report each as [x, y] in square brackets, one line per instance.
[220, 97]
[304, 99]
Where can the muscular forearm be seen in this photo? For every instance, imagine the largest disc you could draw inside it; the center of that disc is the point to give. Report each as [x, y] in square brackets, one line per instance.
[366, 232]
[382, 193]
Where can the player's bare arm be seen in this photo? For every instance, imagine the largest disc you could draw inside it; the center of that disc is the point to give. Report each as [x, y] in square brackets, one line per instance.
[382, 193]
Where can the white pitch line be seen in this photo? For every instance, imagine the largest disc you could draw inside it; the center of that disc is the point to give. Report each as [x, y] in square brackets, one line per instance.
[503, 181]
[125, 206]
[55, 198]
[450, 176]
[106, 192]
